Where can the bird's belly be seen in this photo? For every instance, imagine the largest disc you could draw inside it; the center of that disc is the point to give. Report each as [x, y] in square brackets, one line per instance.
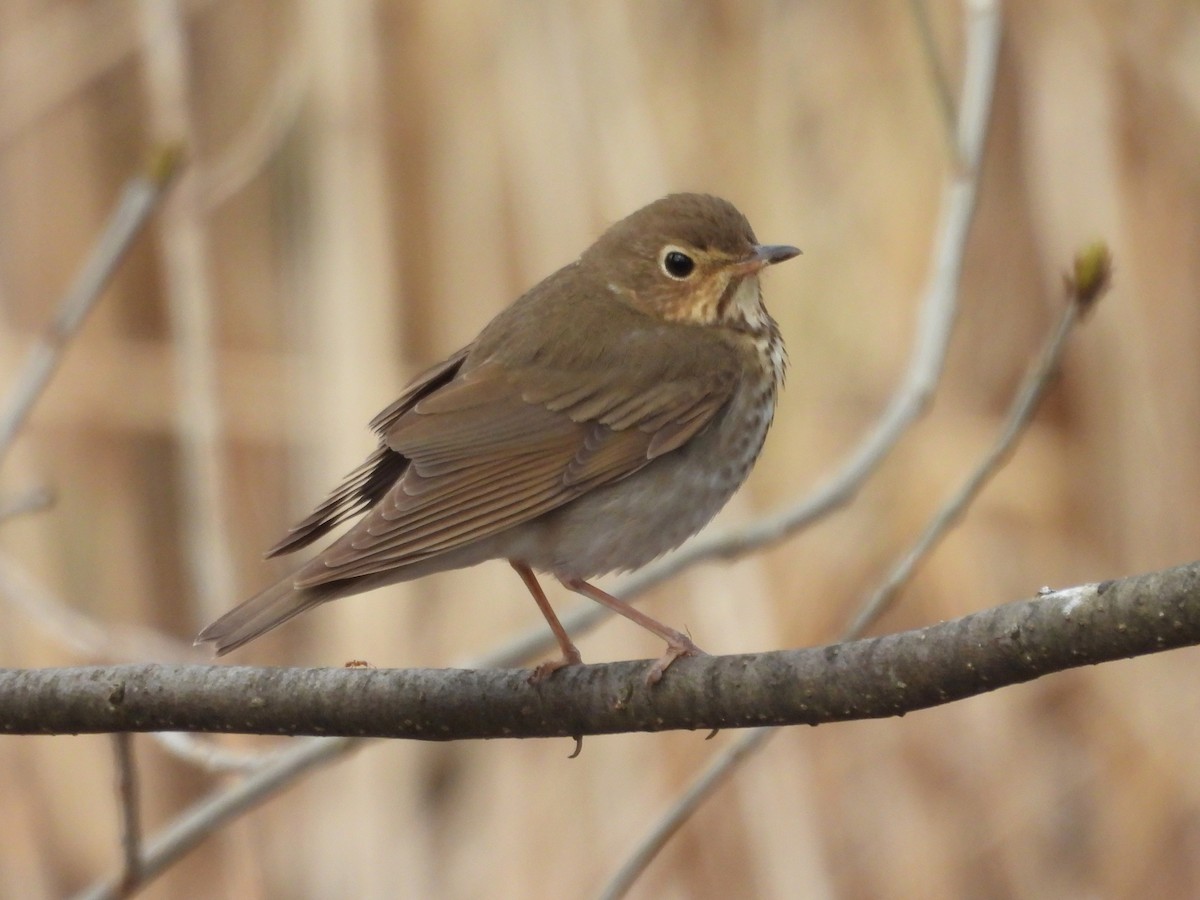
[628, 523]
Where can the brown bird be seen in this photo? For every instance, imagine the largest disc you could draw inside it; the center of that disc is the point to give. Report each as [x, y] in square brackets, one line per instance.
[598, 422]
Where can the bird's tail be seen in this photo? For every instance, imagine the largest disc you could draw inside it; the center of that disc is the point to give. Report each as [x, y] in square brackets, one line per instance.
[264, 611]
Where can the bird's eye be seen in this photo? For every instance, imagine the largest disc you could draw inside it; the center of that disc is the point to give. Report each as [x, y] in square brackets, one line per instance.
[677, 264]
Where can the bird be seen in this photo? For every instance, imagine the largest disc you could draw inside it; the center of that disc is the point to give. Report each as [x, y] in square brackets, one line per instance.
[593, 425]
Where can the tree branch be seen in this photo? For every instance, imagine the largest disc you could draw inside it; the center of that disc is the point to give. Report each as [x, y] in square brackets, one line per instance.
[874, 678]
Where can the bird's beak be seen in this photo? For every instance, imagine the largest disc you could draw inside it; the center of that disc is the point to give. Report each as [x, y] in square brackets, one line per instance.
[765, 255]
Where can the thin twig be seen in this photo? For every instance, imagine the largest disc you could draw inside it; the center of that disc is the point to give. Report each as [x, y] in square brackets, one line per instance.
[983, 28]
[131, 827]
[1090, 277]
[137, 201]
[692, 798]
[1025, 405]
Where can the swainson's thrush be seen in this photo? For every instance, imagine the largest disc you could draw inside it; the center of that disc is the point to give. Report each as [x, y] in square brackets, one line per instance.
[598, 422]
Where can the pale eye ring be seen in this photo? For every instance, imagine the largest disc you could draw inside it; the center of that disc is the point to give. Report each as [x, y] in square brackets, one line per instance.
[676, 264]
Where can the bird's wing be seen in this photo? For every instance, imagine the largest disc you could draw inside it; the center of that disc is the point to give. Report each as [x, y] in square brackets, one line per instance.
[363, 487]
[500, 445]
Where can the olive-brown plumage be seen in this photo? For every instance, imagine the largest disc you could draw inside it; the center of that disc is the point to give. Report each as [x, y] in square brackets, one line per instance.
[596, 423]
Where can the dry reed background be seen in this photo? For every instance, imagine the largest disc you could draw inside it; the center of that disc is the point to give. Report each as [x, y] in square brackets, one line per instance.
[371, 181]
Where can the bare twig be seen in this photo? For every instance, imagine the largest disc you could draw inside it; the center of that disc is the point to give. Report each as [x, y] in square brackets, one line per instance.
[984, 29]
[1089, 279]
[1025, 405]
[725, 763]
[131, 826]
[137, 201]
[692, 798]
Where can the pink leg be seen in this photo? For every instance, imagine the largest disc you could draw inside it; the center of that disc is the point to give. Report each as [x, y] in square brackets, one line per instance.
[570, 654]
[678, 644]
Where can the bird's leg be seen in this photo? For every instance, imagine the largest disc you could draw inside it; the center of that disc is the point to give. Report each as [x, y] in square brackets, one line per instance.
[570, 654]
[678, 644]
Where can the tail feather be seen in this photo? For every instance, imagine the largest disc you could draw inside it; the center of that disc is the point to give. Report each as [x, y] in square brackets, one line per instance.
[264, 611]
[282, 600]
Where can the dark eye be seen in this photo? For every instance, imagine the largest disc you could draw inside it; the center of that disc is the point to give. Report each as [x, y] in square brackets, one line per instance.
[678, 264]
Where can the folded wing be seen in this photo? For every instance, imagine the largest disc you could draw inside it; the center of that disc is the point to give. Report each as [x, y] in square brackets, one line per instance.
[498, 445]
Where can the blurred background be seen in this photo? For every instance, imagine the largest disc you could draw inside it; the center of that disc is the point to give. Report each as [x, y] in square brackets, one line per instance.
[369, 183]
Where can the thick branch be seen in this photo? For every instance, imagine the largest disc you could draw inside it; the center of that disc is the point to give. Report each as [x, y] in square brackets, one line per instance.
[874, 678]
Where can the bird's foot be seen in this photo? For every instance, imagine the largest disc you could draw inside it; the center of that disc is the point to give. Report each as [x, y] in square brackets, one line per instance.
[570, 657]
[677, 646]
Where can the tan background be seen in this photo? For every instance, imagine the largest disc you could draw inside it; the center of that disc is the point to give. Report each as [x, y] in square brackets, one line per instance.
[371, 182]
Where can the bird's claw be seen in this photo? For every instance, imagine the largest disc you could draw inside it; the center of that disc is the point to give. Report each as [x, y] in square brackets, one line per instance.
[679, 646]
[550, 666]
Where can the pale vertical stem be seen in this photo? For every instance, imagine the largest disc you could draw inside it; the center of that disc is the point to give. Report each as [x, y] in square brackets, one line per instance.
[979, 81]
[190, 304]
[131, 819]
